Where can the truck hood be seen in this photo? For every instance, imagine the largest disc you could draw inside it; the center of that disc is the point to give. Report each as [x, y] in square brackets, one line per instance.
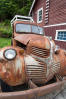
[25, 38]
[37, 40]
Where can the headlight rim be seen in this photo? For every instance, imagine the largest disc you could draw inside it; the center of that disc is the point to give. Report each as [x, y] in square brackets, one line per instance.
[7, 50]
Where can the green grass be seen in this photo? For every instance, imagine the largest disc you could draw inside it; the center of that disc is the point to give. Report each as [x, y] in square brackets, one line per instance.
[5, 42]
[5, 29]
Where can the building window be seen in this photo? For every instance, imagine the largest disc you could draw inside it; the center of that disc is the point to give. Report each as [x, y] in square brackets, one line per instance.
[60, 35]
[39, 15]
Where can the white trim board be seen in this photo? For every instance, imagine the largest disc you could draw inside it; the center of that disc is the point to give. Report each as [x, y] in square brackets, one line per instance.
[32, 6]
[54, 25]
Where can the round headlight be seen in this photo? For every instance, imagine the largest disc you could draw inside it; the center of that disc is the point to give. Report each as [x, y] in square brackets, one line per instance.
[10, 54]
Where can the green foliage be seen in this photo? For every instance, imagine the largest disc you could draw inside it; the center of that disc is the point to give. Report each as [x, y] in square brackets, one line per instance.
[5, 29]
[5, 42]
[25, 9]
[8, 8]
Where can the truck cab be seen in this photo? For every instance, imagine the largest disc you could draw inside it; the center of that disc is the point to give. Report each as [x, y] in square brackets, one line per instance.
[24, 25]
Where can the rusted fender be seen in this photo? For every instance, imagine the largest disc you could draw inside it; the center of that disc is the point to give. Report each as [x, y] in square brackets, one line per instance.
[13, 71]
[34, 93]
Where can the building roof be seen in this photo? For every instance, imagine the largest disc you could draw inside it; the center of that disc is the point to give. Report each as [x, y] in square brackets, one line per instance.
[32, 7]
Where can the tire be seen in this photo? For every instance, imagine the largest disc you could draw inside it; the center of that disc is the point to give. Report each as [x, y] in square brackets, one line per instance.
[5, 87]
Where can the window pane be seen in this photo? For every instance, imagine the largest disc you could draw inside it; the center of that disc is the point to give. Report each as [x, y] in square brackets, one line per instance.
[64, 35]
[40, 12]
[23, 28]
[40, 18]
[59, 33]
[58, 38]
[36, 29]
[64, 38]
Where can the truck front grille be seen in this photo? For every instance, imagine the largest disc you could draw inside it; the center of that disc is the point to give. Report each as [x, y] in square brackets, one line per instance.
[44, 53]
[37, 73]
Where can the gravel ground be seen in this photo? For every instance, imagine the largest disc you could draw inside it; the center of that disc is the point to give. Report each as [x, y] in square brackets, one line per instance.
[55, 95]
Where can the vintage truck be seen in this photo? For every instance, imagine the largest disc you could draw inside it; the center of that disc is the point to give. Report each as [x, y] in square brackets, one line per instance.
[33, 67]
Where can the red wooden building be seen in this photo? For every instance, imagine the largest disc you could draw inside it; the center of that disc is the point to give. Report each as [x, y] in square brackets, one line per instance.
[51, 14]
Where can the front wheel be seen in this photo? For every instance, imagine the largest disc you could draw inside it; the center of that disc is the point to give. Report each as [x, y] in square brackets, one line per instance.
[5, 87]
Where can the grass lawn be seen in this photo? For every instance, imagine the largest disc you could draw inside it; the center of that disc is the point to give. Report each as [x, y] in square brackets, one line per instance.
[5, 42]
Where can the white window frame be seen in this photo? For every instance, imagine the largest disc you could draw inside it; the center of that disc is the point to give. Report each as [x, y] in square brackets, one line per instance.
[38, 15]
[57, 34]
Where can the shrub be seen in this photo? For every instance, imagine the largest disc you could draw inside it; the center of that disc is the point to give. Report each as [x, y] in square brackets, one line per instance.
[5, 29]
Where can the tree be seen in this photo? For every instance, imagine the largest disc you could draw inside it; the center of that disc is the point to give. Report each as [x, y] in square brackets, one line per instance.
[8, 8]
[25, 7]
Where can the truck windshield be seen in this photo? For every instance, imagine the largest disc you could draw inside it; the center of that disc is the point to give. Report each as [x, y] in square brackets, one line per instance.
[37, 29]
[23, 28]
[28, 29]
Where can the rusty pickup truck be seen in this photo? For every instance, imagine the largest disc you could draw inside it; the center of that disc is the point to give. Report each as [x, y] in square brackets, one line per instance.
[33, 67]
